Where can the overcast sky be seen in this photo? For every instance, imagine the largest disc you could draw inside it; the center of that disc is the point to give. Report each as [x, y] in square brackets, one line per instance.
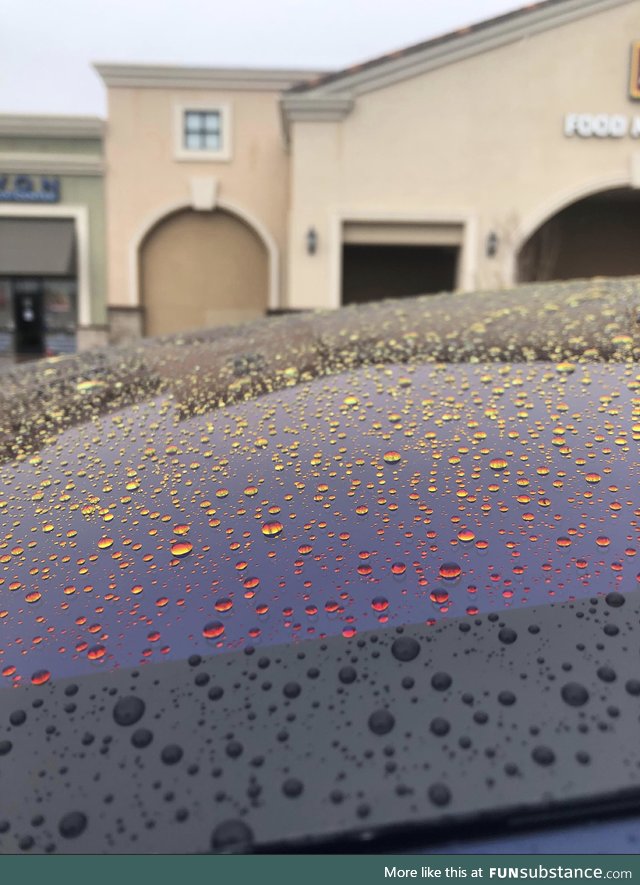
[48, 45]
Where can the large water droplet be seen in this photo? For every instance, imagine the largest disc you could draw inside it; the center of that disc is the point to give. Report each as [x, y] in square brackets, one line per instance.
[128, 710]
[381, 722]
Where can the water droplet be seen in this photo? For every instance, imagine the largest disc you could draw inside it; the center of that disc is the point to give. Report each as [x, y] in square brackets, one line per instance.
[543, 755]
[441, 681]
[574, 694]
[171, 754]
[292, 788]
[439, 794]
[606, 674]
[128, 710]
[72, 825]
[405, 648]
[347, 675]
[231, 837]
[271, 529]
[213, 630]
[507, 635]
[439, 726]
[141, 738]
[381, 722]
[40, 677]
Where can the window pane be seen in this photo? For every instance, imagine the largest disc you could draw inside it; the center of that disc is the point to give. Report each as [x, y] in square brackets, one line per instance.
[212, 122]
[212, 142]
[193, 121]
[60, 304]
[6, 319]
[193, 141]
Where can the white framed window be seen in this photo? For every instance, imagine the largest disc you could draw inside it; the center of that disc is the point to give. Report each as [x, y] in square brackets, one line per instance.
[202, 132]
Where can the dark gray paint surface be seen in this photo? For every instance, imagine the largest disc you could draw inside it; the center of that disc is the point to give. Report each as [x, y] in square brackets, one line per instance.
[496, 720]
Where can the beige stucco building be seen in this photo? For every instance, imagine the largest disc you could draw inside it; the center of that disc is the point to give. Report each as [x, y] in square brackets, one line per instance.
[507, 151]
[197, 196]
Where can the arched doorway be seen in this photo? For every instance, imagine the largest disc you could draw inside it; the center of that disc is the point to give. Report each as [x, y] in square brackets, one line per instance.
[595, 236]
[202, 269]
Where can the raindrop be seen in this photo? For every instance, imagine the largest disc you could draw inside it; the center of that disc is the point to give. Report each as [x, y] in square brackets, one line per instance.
[441, 681]
[72, 825]
[574, 694]
[213, 630]
[439, 794]
[507, 635]
[606, 674]
[614, 599]
[128, 710]
[440, 727]
[381, 722]
[231, 837]
[405, 648]
[347, 675]
[292, 787]
[543, 755]
[171, 754]
[141, 738]
[271, 529]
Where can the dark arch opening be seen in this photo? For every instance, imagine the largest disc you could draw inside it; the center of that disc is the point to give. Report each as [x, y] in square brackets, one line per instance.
[596, 236]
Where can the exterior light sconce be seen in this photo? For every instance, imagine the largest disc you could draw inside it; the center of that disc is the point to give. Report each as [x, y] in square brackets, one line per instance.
[492, 244]
[312, 241]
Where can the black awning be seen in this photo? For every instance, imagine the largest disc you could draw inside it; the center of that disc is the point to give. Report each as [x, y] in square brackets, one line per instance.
[37, 246]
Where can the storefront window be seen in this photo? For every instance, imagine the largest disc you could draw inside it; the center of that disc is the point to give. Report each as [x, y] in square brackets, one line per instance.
[60, 305]
[6, 322]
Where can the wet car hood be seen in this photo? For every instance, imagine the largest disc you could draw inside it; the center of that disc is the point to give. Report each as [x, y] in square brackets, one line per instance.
[253, 520]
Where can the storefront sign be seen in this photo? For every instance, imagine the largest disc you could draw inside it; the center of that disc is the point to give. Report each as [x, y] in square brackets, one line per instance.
[602, 125]
[634, 84]
[29, 188]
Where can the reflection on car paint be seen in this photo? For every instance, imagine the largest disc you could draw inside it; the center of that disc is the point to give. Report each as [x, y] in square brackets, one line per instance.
[386, 495]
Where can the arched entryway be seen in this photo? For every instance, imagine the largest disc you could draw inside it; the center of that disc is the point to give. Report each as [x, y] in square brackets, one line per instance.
[202, 269]
[594, 236]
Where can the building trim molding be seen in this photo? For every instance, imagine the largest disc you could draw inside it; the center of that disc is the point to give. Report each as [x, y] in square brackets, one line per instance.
[174, 77]
[52, 164]
[342, 215]
[80, 217]
[457, 46]
[135, 293]
[50, 126]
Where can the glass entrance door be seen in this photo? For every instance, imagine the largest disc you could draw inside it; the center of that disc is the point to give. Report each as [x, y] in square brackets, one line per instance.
[28, 315]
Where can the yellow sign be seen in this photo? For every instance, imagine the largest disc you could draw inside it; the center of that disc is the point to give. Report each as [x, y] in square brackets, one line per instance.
[634, 83]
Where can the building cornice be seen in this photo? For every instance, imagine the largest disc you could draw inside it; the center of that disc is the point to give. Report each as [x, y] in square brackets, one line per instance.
[316, 107]
[174, 77]
[457, 46]
[50, 126]
[51, 164]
